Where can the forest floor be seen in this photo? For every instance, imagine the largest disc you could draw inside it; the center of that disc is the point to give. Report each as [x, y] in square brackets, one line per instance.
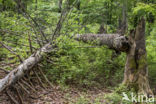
[51, 95]
[55, 95]
[70, 96]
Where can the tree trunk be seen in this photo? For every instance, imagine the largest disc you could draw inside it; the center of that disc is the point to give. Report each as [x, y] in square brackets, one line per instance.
[124, 26]
[60, 6]
[113, 41]
[21, 70]
[102, 29]
[136, 71]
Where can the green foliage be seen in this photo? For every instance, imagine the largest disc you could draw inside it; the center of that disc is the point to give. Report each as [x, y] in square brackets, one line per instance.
[151, 53]
[116, 97]
[74, 63]
[15, 29]
[143, 10]
[113, 98]
[7, 4]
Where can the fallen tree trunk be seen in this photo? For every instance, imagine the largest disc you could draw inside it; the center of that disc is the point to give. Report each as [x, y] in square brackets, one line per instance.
[113, 41]
[21, 70]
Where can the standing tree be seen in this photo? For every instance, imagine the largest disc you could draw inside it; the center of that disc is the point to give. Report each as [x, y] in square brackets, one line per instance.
[136, 70]
[60, 5]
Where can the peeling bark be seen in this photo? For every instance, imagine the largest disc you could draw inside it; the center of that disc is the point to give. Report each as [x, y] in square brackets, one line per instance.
[113, 41]
[21, 70]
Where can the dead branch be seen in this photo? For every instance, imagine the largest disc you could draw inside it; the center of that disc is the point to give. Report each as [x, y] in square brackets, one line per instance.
[6, 71]
[8, 48]
[12, 98]
[28, 85]
[45, 77]
[20, 97]
[27, 65]
[21, 85]
[39, 79]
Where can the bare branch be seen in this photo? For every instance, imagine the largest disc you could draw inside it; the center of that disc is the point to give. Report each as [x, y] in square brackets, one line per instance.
[8, 48]
[28, 64]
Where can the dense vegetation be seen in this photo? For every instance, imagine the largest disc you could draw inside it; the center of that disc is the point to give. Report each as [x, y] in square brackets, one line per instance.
[26, 25]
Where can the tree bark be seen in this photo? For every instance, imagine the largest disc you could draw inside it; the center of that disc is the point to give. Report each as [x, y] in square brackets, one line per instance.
[113, 41]
[136, 70]
[28, 64]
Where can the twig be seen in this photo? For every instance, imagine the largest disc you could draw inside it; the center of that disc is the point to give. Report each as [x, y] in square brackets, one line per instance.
[11, 32]
[45, 77]
[23, 88]
[28, 85]
[64, 14]
[8, 48]
[12, 98]
[87, 47]
[30, 44]
[28, 79]
[6, 71]
[27, 15]
[39, 79]
[21, 100]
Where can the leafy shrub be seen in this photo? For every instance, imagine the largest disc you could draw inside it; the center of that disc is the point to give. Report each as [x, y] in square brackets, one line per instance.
[74, 63]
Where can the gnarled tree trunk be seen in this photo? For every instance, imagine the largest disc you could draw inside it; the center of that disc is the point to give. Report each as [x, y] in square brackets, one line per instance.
[136, 70]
